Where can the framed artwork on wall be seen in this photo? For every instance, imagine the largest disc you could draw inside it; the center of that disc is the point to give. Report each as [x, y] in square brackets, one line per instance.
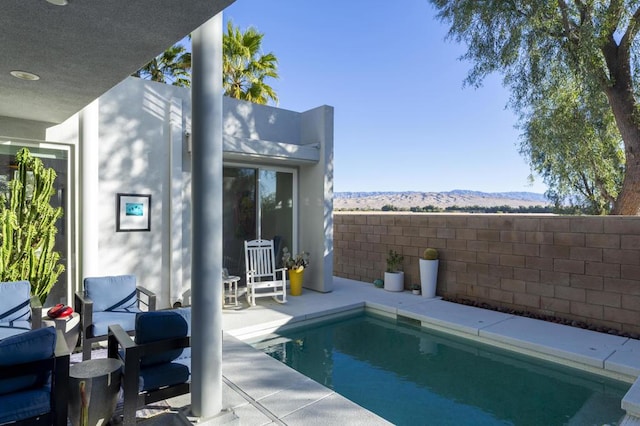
[133, 212]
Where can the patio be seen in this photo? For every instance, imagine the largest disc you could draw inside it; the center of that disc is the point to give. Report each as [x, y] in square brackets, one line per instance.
[260, 390]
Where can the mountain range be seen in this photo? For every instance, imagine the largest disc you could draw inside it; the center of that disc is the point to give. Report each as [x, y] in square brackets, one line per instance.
[458, 197]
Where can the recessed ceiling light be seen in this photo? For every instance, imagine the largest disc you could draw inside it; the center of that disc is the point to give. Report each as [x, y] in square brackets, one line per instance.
[24, 75]
[59, 2]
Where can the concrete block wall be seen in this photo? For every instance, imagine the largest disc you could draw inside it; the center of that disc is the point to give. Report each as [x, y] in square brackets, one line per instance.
[583, 268]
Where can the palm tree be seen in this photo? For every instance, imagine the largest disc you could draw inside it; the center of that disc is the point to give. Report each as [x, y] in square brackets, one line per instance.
[173, 66]
[245, 68]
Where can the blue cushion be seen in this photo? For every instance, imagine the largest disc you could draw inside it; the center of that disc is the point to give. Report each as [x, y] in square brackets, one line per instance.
[26, 347]
[102, 321]
[161, 325]
[16, 327]
[160, 375]
[14, 301]
[116, 293]
[25, 404]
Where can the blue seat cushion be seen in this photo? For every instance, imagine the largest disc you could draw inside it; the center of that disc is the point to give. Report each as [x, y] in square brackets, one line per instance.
[18, 327]
[165, 374]
[14, 301]
[25, 404]
[29, 346]
[114, 293]
[162, 325]
[102, 321]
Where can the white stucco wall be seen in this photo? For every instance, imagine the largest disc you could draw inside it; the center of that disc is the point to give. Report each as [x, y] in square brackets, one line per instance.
[260, 122]
[142, 149]
[316, 199]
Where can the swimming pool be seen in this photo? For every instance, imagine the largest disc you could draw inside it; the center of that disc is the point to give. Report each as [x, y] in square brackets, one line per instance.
[410, 375]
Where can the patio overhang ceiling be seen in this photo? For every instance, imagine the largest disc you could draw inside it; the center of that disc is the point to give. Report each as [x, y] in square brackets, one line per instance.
[81, 50]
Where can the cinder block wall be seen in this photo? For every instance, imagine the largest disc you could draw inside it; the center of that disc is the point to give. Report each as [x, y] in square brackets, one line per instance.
[574, 267]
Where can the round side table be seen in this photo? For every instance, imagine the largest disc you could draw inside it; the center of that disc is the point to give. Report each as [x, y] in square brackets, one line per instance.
[69, 326]
[93, 391]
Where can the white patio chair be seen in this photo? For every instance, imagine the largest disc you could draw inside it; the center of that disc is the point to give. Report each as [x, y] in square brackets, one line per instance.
[263, 278]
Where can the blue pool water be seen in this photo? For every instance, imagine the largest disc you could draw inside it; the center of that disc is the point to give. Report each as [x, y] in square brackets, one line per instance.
[412, 376]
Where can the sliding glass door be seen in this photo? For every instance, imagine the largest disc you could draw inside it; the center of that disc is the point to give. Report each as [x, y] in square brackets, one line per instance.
[257, 203]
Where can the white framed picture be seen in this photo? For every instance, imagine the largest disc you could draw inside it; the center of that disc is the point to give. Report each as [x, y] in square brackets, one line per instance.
[133, 212]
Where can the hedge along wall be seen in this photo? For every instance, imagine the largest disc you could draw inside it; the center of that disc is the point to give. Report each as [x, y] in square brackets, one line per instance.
[584, 268]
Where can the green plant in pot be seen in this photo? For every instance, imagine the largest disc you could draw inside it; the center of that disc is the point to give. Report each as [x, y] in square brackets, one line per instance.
[29, 229]
[429, 262]
[394, 276]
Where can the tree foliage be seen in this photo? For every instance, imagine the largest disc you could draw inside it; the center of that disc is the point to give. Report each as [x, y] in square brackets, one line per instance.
[245, 68]
[574, 144]
[572, 64]
[29, 227]
[173, 66]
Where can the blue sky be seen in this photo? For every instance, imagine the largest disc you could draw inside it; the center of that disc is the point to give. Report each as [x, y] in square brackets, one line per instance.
[403, 120]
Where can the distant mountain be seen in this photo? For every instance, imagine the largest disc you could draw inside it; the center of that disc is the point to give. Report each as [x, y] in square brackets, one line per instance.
[457, 197]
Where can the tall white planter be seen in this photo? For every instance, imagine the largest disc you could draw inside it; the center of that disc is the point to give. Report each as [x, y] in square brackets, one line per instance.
[429, 277]
[394, 281]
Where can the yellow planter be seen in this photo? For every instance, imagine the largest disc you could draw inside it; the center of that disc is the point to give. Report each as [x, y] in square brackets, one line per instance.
[295, 282]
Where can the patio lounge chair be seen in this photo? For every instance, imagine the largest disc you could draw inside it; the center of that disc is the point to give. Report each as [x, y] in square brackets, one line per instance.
[34, 375]
[262, 277]
[106, 301]
[19, 311]
[157, 363]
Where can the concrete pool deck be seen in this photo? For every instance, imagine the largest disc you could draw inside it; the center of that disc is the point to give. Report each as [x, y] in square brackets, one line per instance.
[258, 390]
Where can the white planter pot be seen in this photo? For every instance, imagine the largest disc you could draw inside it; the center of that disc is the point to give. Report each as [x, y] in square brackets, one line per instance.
[428, 277]
[394, 281]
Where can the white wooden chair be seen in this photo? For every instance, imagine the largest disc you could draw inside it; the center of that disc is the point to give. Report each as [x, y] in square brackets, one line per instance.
[263, 278]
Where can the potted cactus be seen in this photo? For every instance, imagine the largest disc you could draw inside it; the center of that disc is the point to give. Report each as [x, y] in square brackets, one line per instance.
[429, 272]
[394, 276]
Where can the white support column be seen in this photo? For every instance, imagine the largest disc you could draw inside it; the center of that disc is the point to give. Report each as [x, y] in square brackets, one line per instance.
[89, 204]
[176, 206]
[206, 267]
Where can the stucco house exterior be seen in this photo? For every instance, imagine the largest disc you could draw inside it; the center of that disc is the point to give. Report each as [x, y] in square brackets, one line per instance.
[277, 182]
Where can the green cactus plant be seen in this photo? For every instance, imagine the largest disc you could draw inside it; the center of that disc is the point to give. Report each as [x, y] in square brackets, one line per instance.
[28, 227]
[430, 254]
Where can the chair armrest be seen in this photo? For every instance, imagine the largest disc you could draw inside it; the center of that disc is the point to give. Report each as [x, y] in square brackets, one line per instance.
[60, 380]
[151, 298]
[165, 345]
[117, 337]
[83, 305]
[283, 271]
[36, 312]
